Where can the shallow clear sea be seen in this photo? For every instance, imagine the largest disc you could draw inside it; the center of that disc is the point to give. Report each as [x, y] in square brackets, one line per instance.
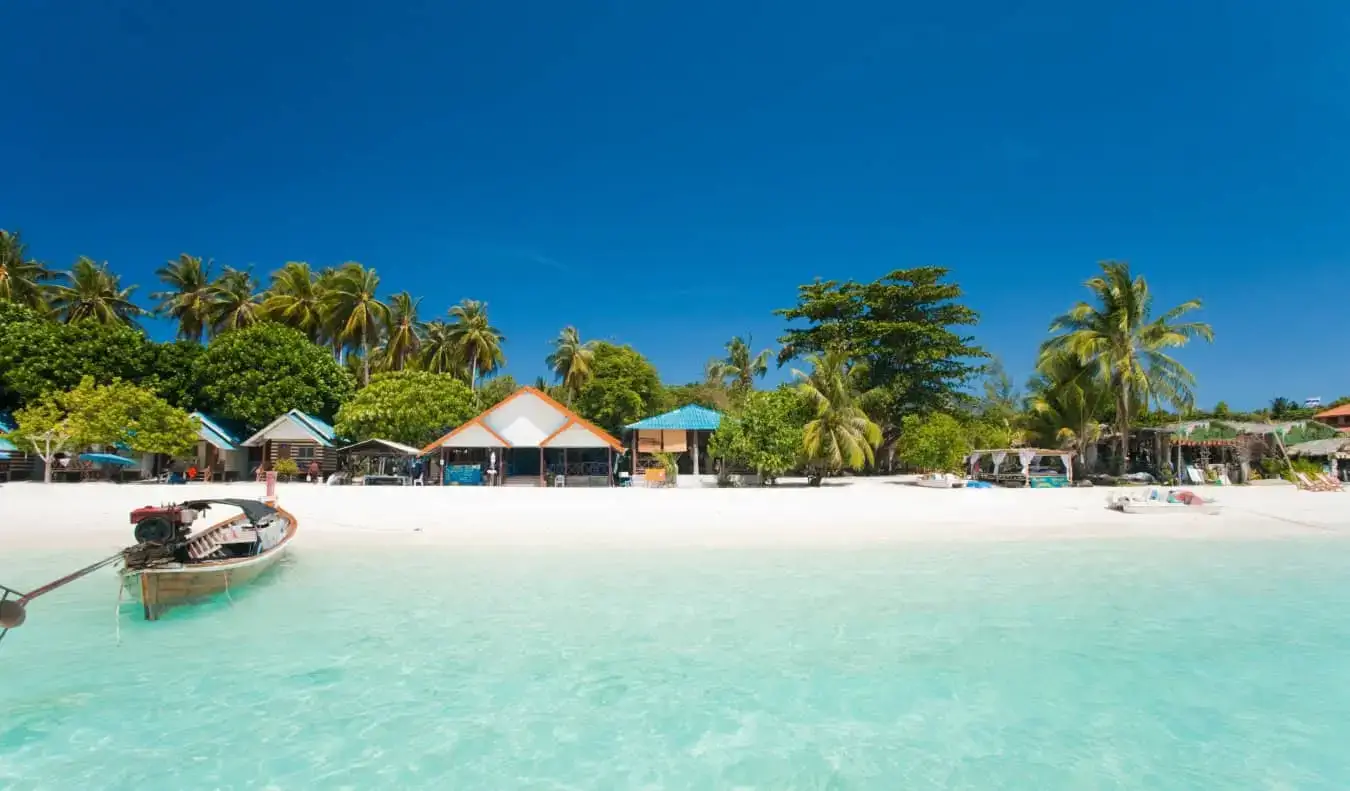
[1080, 665]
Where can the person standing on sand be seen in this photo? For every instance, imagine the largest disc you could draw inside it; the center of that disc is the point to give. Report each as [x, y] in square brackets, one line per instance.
[314, 472]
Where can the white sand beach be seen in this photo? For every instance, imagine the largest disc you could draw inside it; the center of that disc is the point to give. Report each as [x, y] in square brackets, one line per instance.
[847, 512]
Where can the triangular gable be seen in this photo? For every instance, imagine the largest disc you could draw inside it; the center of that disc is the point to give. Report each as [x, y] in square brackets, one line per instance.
[518, 433]
[578, 435]
[296, 418]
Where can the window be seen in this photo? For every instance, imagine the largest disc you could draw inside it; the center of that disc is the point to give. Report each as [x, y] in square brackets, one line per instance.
[302, 453]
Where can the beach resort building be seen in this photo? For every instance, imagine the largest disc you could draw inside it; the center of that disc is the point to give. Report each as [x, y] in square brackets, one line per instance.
[1338, 417]
[220, 449]
[13, 461]
[684, 432]
[528, 439]
[298, 436]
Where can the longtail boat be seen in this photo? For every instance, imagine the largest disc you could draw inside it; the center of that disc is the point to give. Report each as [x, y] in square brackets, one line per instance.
[171, 564]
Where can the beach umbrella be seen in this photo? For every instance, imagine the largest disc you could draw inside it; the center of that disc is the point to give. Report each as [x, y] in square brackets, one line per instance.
[107, 458]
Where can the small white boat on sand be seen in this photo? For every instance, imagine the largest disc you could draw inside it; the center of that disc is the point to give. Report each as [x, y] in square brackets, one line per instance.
[1155, 500]
[940, 480]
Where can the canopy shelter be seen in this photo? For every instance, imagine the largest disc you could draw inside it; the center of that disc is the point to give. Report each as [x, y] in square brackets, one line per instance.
[381, 461]
[677, 431]
[1017, 466]
[1334, 450]
[532, 436]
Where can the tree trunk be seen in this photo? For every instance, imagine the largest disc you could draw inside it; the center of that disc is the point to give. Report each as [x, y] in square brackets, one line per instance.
[365, 362]
[1123, 426]
[473, 374]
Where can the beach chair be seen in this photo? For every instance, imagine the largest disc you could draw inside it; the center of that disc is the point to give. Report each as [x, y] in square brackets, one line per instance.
[1309, 484]
[1331, 483]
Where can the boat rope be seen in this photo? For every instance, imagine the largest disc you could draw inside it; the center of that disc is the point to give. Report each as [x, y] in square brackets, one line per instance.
[228, 597]
[69, 578]
[117, 612]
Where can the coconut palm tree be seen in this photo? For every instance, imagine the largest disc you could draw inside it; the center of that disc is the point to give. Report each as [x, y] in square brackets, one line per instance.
[403, 339]
[440, 350]
[1066, 404]
[742, 367]
[22, 279]
[356, 313]
[839, 433]
[295, 299]
[91, 291]
[480, 343]
[330, 327]
[1121, 339]
[571, 361]
[188, 298]
[235, 301]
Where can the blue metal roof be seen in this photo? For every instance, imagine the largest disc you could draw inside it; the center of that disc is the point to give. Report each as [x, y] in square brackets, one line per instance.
[322, 431]
[213, 432]
[6, 445]
[692, 417]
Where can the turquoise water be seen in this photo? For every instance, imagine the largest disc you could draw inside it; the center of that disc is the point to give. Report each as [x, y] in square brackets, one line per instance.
[1083, 665]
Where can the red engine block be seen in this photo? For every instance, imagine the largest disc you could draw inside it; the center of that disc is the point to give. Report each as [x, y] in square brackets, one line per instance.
[173, 513]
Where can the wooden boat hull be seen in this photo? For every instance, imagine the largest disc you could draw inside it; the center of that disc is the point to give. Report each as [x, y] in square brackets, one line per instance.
[163, 588]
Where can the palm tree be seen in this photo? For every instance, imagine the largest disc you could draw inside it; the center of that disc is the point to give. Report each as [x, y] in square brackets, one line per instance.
[743, 368]
[356, 313]
[571, 361]
[330, 327]
[1281, 407]
[839, 433]
[403, 339]
[235, 301]
[1124, 343]
[1067, 402]
[440, 350]
[479, 342]
[188, 297]
[93, 292]
[22, 279]
[295, 299]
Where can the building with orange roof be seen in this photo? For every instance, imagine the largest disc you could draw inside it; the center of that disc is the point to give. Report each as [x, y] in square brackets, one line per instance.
[1338, 417]
[526, 439]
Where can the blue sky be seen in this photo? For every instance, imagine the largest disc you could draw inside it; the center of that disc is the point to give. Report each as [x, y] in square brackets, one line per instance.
[665, 174]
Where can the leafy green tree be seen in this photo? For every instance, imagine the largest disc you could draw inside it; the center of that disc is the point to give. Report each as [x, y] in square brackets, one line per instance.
[710, 395]
[1068, 403]
[23, 280]
[624, 388]
[1126, 344]
[412, 407]
[741, 365]
[839, 433]
[188, 296]
[479, 343]
[496, 390]
[38, 357]
[119, 413]
[234, 301]
[441, 351]
[936, 442]
[403, 339]
[91, 291]
[1280, 407]
[571, 362]
[295, 300]
[906, 328]
[258, 373]
[356, 313]
[173, 373]
[764, 434]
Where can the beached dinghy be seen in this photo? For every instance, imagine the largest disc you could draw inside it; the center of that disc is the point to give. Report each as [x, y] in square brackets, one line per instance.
[172, 565]
[1156, 501]
[940, 480]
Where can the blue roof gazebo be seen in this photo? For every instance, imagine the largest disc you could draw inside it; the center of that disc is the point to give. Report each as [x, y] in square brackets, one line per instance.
[672, 432]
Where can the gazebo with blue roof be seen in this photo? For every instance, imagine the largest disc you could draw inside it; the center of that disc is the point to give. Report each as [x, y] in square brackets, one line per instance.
[672, 432]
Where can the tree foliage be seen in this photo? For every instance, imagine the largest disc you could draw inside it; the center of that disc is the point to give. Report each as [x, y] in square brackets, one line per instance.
[495, 390]
[623, 389]
[764, 434]
[116, 414]
[257, 373]
[412, 407]
[39, 356]
[839, 434]
[936, 442]
[1120, 338]
[905, 327]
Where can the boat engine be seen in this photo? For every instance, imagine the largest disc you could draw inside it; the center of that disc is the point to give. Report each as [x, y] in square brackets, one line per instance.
[161, 532]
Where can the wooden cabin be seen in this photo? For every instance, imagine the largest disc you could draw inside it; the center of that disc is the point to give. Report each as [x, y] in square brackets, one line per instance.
[298, 436]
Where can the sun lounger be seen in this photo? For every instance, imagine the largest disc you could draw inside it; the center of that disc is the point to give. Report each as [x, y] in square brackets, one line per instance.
[1195, 475]
[1332, 484]
[1313, 484]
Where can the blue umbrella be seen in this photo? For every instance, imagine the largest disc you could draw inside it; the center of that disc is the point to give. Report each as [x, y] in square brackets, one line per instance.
[107, 458]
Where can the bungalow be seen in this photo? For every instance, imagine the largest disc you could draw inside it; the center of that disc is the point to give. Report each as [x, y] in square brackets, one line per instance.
[219, 448]
[1338, 417]
[12, 460]
[297, 436]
